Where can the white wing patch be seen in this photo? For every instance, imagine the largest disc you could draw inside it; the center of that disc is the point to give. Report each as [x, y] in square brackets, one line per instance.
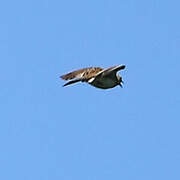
[91, 80]
[78, 76]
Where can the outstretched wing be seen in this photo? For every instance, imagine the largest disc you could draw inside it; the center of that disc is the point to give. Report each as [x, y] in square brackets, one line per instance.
[74, 74]
[110, 71]
[81, 75]
[84, 73]
[71, 82]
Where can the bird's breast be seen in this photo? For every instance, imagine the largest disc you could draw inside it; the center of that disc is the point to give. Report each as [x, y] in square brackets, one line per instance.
[104, 83]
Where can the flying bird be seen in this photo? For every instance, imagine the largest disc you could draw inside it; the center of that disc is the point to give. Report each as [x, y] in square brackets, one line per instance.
[96, 76]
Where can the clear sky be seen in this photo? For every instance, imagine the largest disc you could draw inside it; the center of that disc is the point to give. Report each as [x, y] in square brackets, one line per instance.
[80, 132]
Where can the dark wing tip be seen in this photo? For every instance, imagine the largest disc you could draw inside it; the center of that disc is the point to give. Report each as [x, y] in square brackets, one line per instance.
[122, 66]
[119, 67]
[62, 77]
[72, 82]
[68, 76]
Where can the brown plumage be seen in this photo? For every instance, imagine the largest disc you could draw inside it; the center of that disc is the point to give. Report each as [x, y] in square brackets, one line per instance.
[82, 73]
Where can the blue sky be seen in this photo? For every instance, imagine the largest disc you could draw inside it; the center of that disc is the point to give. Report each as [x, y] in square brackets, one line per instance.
[80, 132]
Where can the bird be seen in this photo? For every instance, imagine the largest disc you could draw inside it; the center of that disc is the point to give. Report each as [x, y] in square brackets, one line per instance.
[103, 78]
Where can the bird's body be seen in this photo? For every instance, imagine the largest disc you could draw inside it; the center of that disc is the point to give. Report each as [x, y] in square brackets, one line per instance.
[96, 76]
[104, 83]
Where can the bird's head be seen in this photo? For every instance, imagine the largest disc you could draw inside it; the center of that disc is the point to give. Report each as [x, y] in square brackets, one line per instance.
[120, 81]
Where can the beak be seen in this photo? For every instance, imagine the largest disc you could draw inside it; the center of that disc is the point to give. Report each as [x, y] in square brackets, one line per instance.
[121, 84]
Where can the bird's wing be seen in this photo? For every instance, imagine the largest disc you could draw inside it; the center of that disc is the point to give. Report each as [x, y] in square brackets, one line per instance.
[82, 74]
[110, 71]
[74, 74]
[91, 73]
[72, 82]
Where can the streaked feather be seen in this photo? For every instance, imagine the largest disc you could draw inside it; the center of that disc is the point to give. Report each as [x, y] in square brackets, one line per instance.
[84, 73]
